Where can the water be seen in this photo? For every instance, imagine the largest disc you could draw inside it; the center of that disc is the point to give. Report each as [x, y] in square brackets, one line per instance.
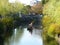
[24, 37]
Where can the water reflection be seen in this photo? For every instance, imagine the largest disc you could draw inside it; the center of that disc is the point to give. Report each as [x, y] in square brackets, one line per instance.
[24, 37]
[28, 39]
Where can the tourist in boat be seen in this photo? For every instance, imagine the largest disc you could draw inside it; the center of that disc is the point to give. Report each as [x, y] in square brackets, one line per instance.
[30, 27]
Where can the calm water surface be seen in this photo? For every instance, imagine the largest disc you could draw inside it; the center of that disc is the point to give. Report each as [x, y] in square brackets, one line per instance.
[24, 37]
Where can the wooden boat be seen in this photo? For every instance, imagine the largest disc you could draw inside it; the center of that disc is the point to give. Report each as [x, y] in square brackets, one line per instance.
[30, 28]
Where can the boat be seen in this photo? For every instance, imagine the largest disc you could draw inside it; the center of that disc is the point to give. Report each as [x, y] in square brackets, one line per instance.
[30, 27]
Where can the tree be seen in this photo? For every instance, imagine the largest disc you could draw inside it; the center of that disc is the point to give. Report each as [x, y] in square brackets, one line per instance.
[6, 7]
[51, 23]
[37, 8]
[26, 9]
[44, 1]
[16, 7]
[52, 11]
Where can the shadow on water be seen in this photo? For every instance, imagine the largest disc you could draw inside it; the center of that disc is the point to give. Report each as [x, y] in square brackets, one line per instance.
[17, 33]
[4, 35]
[1, 40]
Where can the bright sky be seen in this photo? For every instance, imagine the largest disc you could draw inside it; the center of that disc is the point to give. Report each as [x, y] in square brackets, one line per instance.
[27, 2]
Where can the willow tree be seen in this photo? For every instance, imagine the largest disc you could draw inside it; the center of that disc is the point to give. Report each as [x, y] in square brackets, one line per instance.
[3, 7]
[15, 7]
[6, 7]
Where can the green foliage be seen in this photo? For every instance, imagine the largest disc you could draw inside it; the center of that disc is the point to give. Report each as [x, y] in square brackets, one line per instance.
[6, 7]
[44, 1]
[6, 20]
[51, 19]
[26, 9]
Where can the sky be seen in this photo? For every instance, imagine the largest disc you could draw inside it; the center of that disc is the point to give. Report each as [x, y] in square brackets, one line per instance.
[26, 2]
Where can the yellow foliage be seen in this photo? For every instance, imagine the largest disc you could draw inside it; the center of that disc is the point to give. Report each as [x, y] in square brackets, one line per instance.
[52, 29]
[51, 19]
[46, 20]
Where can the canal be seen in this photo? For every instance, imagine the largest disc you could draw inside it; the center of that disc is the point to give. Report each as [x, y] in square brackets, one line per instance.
[21, 36]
